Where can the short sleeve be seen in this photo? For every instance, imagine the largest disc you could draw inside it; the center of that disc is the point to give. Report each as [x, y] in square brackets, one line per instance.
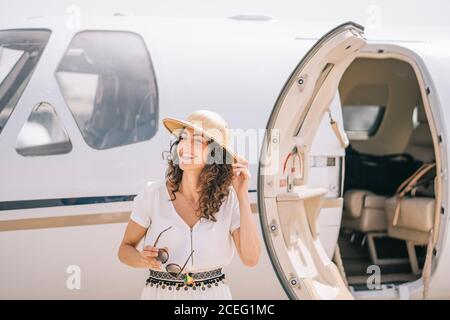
[235, 212]
[141, 210]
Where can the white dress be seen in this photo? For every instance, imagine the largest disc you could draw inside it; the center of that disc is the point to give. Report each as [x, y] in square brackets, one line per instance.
[211, 241]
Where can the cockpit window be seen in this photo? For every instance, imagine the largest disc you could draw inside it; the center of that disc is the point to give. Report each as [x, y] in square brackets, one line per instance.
[20, 51]
[108, 82]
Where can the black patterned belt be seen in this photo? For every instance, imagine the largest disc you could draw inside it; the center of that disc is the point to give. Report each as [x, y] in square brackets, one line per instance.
[193, 280]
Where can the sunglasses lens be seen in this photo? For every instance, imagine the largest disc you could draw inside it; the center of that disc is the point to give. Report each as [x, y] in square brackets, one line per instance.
[173, 269]
[163, 255]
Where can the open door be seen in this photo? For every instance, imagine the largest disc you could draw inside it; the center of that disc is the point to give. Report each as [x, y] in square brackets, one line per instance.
[290, 197]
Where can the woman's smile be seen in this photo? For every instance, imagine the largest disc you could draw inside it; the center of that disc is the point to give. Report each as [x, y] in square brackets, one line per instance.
[187, 158]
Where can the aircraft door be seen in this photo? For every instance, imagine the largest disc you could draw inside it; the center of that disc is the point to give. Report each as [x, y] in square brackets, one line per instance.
[301, 170]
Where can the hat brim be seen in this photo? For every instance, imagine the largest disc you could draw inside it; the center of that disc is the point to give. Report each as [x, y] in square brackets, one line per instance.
[173, 124]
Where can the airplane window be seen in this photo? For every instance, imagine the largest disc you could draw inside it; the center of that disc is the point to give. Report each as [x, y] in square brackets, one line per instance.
[108, 82]
[362, 122]
[20, 51]
[43, 133]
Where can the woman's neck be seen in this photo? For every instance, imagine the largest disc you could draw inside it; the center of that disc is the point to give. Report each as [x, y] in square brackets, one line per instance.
[189, 185]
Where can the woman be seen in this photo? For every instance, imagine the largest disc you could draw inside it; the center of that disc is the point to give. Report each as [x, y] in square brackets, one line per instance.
[190, 221]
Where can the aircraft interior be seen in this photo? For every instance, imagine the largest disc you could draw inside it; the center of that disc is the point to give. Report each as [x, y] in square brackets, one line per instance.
[389, 140]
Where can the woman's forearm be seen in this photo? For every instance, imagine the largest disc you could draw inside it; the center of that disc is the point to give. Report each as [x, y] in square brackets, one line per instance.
[130, 256]
[250, 246]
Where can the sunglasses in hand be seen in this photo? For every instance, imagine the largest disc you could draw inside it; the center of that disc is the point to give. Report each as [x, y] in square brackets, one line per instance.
[163, 255]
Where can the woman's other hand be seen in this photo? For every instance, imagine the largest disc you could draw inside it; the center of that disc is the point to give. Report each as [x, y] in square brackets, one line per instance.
[241, 176]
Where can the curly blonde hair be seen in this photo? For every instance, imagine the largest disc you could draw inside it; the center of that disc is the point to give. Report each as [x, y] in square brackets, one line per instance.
[215, 179]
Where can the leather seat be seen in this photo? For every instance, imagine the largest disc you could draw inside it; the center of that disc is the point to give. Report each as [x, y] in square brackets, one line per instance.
[364, 211]
[416, 217]
[415, 221]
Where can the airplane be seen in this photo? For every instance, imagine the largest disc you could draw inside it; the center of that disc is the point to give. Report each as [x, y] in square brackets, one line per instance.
[81, 133]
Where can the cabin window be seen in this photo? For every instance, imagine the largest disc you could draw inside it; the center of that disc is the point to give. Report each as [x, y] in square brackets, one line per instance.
[20, 51]
[362, 122]
[108, 82]
[43, 133]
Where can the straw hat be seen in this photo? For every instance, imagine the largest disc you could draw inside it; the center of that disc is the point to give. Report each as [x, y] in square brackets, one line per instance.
[210, 123]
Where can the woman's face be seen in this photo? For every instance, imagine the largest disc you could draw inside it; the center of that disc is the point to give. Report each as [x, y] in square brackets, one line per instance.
[192, 150]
